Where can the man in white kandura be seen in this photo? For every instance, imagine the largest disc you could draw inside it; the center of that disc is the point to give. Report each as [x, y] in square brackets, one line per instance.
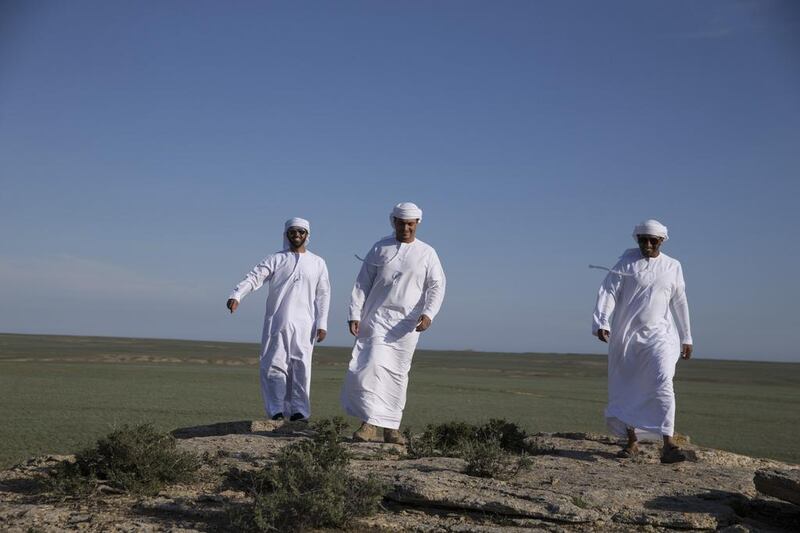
[296, 317]
[396, 296]
[645, 341]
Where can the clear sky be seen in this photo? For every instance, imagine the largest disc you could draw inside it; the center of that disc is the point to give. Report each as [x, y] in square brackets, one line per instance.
[151, 151]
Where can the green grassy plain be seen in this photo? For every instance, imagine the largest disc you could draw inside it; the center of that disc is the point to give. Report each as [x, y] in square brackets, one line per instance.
[59, 393]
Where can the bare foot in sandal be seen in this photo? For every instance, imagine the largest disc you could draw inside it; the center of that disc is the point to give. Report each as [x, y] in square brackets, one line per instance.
[672, 454]
[632, 448]
[628, 452]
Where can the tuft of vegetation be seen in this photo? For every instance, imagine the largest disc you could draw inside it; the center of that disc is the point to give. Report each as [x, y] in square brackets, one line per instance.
[136, 459]
[308, 487]
[451, 438]
[495, 449]
[490, 459]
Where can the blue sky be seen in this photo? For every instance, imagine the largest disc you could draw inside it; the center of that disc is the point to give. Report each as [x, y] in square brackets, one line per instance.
[150, 152]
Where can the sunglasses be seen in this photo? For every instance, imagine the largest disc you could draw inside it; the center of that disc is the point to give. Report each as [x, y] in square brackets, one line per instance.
[642, 239]
[294, 231]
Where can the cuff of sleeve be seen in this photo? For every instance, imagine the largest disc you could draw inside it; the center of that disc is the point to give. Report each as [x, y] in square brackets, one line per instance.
[687, 340]
[429, 315]
[235, 296]
[322, 325]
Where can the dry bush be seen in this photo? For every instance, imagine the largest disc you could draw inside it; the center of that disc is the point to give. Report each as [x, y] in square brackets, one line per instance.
[308, 487]
[136, 459]
[495, 449]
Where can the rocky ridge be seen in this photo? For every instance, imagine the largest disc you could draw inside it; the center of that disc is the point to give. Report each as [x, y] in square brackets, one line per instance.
[579, 485]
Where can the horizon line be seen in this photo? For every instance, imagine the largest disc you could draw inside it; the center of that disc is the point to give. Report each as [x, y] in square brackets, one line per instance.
[469, 350]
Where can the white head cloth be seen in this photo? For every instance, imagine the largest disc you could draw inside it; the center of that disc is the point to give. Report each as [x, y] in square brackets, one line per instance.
[405, 211]
[295, 222]
[650, 227]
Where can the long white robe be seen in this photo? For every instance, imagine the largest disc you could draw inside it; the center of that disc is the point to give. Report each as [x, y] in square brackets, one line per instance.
[297, 306]
[634, 304]
[397, 283]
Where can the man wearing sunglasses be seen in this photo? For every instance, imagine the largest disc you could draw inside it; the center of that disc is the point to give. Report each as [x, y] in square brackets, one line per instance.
[643, 315]
[296, 318]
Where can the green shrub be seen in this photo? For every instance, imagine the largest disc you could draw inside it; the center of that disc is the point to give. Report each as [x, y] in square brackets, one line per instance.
[495, 449]
[487, 458]
[308, 487]
[450, 438]
[132, 459]
[510, 436]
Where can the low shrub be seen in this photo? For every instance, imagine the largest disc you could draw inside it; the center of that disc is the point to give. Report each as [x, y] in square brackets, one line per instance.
[450, 438]
[488, 458]
[136, 459]
[495, 449]
[308, 487]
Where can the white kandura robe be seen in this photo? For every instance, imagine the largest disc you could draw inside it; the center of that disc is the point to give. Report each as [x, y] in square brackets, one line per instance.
[388, 301]
[297, 306]
[634, 304]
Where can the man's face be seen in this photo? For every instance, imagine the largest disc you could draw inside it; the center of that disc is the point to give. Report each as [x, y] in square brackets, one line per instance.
[405, 230]
[649, 245]
[297, 237]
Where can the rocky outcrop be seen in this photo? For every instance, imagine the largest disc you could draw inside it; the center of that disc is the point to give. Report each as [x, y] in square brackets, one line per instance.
[578, 484]
[782, 484]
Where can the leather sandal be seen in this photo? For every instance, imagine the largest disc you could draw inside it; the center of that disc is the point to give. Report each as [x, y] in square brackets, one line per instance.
[628, 452]
[673, 455]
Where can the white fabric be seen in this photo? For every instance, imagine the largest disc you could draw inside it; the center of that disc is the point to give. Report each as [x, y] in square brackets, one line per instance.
[650, 227]
[634, 304]
[405, 211]
[388, 298]
[297, 306]
[296, 222]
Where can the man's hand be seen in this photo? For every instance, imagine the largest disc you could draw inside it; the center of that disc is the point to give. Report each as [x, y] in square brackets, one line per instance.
[232, 305]
[321, 334]
[353, 324]
[423, 323]
[603, 334]
[686, 351]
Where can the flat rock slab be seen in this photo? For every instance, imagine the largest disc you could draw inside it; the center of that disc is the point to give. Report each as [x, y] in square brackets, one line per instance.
[781, 484]
[575, 483]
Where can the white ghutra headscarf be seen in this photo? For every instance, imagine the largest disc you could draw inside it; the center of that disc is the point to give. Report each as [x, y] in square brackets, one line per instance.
[650, 227]
[295, 222]
[405, 211]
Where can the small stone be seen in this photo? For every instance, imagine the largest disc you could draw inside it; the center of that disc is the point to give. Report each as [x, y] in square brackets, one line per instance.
[77, 518]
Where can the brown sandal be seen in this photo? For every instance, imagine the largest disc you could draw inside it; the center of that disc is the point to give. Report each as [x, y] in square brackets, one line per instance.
[628, 452]
[673, 455]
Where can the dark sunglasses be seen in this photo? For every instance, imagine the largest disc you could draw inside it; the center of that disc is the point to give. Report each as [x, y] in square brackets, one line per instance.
[299, 231]
[642, 239]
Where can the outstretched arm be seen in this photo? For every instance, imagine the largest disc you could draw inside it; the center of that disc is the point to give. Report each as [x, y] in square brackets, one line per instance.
[252, 282]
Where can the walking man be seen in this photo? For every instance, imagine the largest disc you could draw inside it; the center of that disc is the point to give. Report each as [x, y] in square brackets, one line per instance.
[397, 294]
[644, 340]
[296, 317]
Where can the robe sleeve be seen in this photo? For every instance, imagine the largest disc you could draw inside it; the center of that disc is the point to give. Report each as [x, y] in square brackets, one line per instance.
[606, 301]
[435, 282]
[680, 308]
[254, 279]
[322, 298]
[362, 287]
